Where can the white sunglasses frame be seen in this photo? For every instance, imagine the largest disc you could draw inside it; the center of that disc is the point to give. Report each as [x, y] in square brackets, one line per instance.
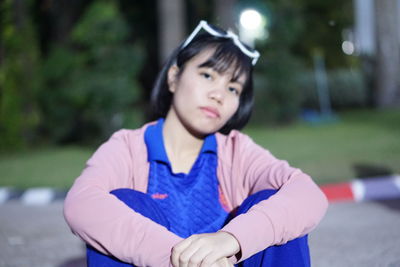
[204, 25]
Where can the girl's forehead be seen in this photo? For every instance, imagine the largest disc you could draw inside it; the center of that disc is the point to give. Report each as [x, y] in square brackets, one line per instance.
[203, 56]
[206, 55]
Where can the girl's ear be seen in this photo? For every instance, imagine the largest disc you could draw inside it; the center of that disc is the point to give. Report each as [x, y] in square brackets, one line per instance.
[172, 77]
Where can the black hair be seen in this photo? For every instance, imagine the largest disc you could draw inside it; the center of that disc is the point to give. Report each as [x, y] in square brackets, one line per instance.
[226, 55]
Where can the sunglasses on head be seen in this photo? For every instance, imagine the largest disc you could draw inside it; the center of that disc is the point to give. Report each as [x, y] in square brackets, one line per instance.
[252, 53]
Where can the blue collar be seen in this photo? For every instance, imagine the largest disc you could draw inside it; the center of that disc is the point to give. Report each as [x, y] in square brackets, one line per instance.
[155, 143]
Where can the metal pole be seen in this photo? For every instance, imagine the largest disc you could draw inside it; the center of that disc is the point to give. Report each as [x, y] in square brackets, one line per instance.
[322, 84]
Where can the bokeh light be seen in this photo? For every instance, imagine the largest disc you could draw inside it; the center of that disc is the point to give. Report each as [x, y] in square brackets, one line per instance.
[250, 19]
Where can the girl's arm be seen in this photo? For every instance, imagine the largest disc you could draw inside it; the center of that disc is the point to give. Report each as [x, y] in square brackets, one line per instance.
[292, 212]
[105, 222]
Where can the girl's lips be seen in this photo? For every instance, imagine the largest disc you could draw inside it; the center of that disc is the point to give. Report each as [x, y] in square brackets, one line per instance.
[210, 112]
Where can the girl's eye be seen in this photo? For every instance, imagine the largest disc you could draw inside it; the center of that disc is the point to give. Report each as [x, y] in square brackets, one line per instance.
[206, 75]
[233, 90]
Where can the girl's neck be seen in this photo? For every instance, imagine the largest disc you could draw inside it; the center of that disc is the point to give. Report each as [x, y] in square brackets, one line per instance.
[181, 145]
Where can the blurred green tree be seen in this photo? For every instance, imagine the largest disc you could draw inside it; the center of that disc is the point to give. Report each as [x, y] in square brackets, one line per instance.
[284, 76]
[324, 24]
[278, 99]
[20, 81]
[91, 83]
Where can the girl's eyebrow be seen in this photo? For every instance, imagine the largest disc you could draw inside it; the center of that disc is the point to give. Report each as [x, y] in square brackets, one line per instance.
[205, 67]
[237, 81]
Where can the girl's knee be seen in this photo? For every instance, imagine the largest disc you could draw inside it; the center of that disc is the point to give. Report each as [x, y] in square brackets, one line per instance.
[263, 195]
[131, 197]
[255, 199]
[141, 203]
[259, 196]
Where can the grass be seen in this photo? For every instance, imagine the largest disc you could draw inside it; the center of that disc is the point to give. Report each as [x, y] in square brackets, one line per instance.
[50, 166]
[328, 152]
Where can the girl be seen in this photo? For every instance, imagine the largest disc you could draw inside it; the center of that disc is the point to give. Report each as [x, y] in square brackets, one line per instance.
[189, 189]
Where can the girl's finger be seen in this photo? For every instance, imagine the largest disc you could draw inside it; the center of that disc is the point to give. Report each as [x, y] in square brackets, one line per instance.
[179, 248]
[198, 257]
[186, 256]
[211, 259]
[224, 262]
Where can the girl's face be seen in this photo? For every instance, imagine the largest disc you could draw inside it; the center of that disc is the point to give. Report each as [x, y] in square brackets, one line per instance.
[203, 99]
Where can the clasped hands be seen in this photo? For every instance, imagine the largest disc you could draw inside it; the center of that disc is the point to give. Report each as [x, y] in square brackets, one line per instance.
[205, 250]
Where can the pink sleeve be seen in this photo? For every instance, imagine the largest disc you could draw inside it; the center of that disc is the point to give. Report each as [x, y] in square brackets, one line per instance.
[106, 223]
[293, 211]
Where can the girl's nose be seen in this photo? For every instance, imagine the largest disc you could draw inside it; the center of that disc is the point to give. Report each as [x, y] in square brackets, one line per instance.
[217, 95]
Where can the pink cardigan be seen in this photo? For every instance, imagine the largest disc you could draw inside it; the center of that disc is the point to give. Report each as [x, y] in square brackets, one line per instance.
[107, 224]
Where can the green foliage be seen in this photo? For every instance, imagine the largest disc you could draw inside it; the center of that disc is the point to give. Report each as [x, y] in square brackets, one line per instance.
[19, 79]
[278, 99]
[284, 77]
[324, 23]
[91, 84]
[101, 24]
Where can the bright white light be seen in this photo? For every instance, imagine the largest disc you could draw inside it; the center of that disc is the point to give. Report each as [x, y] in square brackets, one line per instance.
[348, 47]
[250, 19]
[252, 26]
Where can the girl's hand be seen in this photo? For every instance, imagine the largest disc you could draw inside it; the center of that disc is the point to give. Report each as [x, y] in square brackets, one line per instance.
[205, 250]
[224, 262]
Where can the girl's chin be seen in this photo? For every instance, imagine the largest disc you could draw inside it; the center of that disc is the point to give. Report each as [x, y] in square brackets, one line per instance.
[201, 126]
[204, 129]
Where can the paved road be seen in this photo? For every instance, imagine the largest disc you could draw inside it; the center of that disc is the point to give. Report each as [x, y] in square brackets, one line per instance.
[363, 234]
[358, 234]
